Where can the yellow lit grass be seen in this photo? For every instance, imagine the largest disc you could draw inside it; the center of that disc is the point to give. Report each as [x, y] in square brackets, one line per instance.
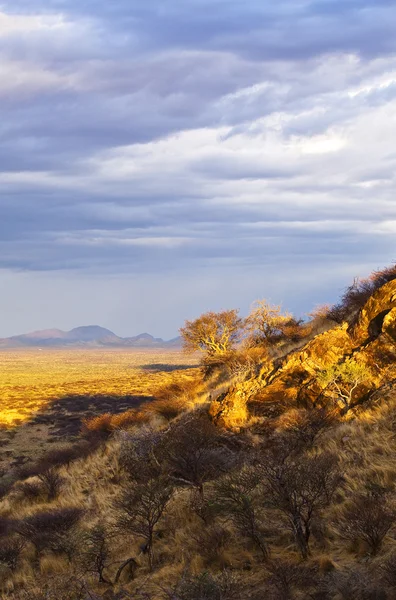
[365, 446]
[29, 379]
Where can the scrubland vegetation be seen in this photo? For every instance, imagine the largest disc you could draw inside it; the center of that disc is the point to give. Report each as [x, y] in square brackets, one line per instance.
[268, 473]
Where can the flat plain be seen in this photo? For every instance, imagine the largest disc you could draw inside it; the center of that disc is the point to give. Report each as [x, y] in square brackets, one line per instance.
[45, 394]
[31, 379]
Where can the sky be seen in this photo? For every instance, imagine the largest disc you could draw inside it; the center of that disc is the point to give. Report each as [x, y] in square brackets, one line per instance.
[165, 158]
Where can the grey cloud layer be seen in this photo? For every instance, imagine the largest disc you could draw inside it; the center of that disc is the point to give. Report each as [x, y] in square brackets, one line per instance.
[168, 136]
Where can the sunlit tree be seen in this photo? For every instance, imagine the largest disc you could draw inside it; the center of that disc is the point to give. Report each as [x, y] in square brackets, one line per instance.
[215, 333]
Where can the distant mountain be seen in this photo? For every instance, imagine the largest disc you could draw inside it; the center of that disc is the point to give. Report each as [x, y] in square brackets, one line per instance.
[86, 336]
[91, 333]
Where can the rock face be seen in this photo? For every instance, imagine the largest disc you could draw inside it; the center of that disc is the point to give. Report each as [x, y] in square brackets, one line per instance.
[371, 319]
[293, 381]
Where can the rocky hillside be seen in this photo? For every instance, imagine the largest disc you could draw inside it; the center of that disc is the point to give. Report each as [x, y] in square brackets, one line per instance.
[272, 475]
[294, 380]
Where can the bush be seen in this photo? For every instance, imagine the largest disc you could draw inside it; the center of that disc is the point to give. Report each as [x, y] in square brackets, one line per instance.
[31, 490]
[50, 530]
[357, 294]
[194, 452]
[205, 586]
[356, 583]
[299, 488]
[238, 498]
[168, 409]
[140, 455]
[285, 577]
[367, 517]
[304, 427]
[10, 551]
[140, 507]
[267, 326]
[244, 362]
[99, 428]
[343, 380]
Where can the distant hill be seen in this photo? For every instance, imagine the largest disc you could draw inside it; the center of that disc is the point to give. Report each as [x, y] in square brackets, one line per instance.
[89, 335]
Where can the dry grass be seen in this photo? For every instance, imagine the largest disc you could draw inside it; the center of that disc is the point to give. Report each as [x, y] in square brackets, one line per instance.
[46, 395]
[30, 379]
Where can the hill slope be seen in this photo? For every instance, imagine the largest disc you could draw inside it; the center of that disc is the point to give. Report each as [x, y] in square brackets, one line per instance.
[271, 478]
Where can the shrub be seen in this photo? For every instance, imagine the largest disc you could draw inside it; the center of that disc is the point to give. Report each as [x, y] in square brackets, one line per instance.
[6, 526]
[99, 426]
[140, 455]
[237, 497]
[344, 379]
[52, 482]
[10, 551]
[168, 409]
[50, 530]
[268, 326]
[64, 456]
[304, 427]
[243, 362]
[285, 577]
[194, 452]
[299, 489]
[186, 390]
[388, 570]
[205, 586]
[128, 419]
[357, 294]
[140, 507]
[102, 426]
[31, 490]
[367, 517]
[210, 542]
[356, 583]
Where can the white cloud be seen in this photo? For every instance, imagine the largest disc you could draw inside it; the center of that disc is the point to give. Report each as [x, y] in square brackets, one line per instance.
[11, 24]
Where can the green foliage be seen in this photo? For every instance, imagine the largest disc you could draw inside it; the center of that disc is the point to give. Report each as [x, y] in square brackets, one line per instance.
[343, 379]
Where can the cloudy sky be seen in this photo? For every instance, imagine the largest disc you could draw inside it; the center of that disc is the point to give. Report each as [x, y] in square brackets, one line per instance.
[162, 158]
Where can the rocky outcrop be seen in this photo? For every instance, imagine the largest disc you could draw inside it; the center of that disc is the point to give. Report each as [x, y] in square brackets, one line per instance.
[294, 379]
[372, 317]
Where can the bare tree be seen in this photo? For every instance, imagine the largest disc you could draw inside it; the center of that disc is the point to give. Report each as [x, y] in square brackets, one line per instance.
[299, 488]
[368, 517]
[237, 497]
[140, 455]
[267, 325]
[285, 576]
[194, 453]
[140, 507]
[96, 552]
[213, 333]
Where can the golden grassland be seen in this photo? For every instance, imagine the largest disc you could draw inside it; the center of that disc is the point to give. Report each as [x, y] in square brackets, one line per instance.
[31, 379]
